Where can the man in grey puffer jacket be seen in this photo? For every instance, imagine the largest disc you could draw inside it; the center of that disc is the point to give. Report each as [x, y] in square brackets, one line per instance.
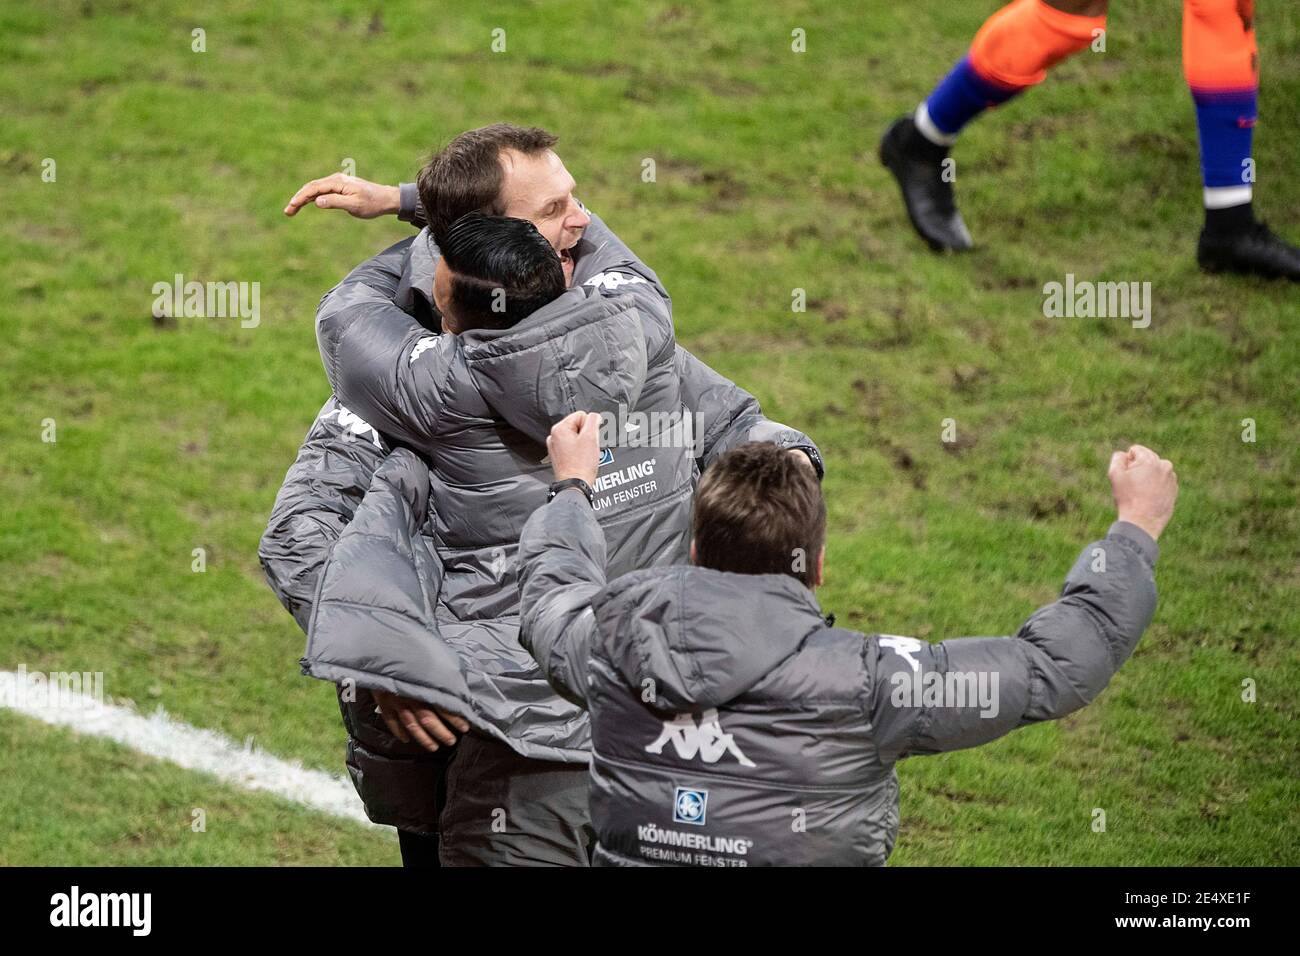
[733, 725]
[409, 593]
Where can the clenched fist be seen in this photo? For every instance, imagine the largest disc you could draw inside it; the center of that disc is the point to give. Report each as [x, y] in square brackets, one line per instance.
[361, 198]
[574, 446]
[1145, 488]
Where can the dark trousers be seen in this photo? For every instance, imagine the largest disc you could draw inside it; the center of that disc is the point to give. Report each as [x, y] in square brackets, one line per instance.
[497, 808]
[418, 849]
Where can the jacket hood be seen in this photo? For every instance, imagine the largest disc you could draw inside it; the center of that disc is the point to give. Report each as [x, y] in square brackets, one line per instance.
[704, 637]
[584, 351]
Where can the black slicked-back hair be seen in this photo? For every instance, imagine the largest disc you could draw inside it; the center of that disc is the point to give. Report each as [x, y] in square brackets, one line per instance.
[503, 270]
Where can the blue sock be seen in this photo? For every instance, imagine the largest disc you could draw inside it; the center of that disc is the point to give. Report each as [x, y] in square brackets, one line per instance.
[1226, 123]
[961, 96]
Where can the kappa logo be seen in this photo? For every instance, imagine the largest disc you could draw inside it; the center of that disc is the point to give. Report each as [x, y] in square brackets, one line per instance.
[708, 740]
[612, 280]
[354, 424]
[422, 346]
[904, 647]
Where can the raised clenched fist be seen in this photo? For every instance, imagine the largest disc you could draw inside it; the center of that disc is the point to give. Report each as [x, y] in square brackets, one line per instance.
[574, 446]
[1145, 488]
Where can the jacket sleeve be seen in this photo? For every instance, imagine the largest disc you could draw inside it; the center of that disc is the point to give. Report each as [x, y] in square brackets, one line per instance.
[370, 348]
[609, 266]
[317, 500]
[409, 207]
[928, 698]
[561, 568]
[730, 416]
[374, 620]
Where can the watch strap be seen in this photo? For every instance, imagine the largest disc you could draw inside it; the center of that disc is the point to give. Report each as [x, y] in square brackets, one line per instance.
[578, 483]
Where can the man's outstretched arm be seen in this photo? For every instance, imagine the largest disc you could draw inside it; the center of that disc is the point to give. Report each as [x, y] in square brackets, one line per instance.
[730, 416]
[927, 698]
[360, 198]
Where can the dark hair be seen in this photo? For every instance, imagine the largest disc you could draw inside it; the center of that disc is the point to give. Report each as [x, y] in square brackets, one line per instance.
[759, 511]
[503, 270]
[465, 175]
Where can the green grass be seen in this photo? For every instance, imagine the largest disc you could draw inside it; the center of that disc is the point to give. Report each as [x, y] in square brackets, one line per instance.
[86, 802]
[176, 437]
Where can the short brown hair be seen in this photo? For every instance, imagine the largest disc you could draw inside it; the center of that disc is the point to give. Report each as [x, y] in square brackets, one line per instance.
[759, 511]
[465, 175]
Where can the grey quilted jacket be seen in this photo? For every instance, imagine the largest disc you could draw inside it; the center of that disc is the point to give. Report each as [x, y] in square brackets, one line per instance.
[732, 726]
[404, 571]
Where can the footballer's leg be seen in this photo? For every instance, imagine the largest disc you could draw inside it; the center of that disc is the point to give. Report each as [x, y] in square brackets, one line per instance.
[1221, 64]
[1012, 51]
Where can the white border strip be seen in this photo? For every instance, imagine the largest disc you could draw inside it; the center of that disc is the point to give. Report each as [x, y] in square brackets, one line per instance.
[1221, 197]
[163, 738]
[929, 130]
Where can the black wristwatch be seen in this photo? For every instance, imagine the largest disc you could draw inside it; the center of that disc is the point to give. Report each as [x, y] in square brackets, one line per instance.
[572, 483]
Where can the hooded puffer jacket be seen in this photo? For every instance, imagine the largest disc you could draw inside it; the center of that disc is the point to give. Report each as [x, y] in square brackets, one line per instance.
[732, 726]
[351, 505]
[441, 622]
[422, 600]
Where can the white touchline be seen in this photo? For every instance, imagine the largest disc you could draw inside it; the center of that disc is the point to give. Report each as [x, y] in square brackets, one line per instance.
[193, 748]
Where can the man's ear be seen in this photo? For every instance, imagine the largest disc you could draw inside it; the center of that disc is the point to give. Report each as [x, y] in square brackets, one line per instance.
[441, 294]
[821, 566]
[692, 550]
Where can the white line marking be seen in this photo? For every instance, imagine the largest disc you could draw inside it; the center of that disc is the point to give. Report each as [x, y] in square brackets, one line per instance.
[162, 737]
